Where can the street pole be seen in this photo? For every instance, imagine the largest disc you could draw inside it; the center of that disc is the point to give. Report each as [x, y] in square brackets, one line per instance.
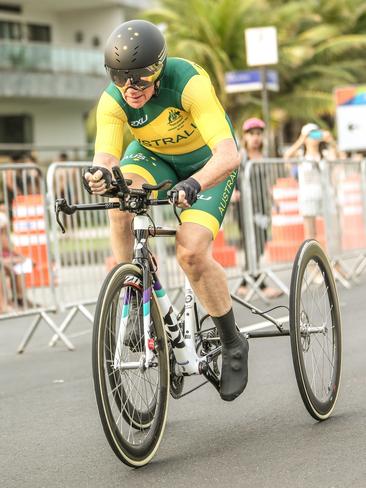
[265, 112]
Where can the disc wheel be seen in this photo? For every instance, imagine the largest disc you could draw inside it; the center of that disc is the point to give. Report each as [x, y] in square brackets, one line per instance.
[315, 330]
[132, 398]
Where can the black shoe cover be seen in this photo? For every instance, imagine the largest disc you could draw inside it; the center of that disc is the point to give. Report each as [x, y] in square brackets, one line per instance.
[234, 373]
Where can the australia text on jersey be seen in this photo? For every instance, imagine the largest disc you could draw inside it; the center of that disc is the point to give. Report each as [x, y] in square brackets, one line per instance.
[168, 140]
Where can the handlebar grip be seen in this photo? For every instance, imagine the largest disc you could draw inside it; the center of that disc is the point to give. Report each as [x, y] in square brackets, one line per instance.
[61, 205]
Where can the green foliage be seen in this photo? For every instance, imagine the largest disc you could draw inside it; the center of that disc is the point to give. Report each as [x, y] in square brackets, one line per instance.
[321, 46]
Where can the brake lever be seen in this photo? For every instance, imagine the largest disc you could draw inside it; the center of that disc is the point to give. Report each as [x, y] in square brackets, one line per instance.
[62, 206]
[173, 196]
[120, 181]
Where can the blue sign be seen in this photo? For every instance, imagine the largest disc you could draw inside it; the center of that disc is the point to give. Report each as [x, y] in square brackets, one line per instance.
[251, 80]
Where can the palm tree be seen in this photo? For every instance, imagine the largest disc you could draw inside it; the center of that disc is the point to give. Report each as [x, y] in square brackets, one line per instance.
[214, 35]
[320, 47]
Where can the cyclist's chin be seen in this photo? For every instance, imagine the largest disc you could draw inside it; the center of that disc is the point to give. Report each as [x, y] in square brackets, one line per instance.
[136, 102]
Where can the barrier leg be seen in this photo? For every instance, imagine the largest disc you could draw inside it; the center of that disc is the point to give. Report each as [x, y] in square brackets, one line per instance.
[254, 285]
[66, 322]
[359, 267]
[86, 313]
[58, 332]
[339, 277]
[29, 334]
[277, 281]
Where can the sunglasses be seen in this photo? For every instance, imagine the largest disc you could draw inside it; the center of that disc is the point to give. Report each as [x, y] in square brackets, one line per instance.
[139, 78]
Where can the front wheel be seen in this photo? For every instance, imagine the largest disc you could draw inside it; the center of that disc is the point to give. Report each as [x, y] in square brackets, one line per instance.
[315, 330]
[132, 399]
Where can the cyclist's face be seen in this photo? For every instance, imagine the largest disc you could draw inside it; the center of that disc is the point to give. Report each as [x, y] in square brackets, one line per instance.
[137, 98]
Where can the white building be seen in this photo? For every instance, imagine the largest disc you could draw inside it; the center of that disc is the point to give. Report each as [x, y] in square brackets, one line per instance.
[51, 69]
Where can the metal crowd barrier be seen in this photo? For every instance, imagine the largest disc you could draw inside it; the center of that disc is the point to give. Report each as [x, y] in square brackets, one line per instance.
[26, 267]
[345, 204]
[261, 234]
[276, 194]
[83, 254]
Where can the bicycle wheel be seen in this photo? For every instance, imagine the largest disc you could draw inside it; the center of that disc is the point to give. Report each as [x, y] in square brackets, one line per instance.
[315, 330]
[132, 403]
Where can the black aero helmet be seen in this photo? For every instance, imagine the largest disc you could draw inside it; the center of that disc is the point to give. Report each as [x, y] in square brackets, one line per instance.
[136, 51]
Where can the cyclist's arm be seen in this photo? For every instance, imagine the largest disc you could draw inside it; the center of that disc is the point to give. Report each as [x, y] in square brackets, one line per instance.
[200, 100]
[109, 141]
[224, 161]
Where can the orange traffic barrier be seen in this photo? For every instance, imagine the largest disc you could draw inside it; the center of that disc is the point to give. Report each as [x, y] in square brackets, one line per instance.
[223, 253]
[29, 228]
[351, 213]
[287, 223]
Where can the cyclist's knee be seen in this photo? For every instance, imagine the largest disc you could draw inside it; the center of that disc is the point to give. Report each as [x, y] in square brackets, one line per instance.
[192, 261]
[193, 251]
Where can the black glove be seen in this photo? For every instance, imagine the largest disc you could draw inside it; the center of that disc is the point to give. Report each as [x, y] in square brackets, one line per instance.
[107, 177]
[191, 188]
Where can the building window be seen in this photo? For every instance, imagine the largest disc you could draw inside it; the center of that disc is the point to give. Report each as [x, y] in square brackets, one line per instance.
[39, 33]
[10, 30]
[95, 41]
[14, 9]
[16, 129]
[79, 37]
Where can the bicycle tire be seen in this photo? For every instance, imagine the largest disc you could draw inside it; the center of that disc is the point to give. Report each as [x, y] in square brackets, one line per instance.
[133, 437]
[138, 419]
[311, 258]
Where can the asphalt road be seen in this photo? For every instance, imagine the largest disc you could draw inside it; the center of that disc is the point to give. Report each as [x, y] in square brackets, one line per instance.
[51, 435]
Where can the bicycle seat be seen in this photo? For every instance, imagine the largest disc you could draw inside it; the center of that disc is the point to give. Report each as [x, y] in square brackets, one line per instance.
[164, 185]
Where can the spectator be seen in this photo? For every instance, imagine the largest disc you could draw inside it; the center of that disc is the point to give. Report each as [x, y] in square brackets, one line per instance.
[12, 267]
[20, 182]
[68, 181]
[317, 143]
[4, 304]
[4, 307]
[253, 139]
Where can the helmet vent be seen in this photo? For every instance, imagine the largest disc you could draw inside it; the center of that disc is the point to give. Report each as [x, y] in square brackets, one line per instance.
[133, 60]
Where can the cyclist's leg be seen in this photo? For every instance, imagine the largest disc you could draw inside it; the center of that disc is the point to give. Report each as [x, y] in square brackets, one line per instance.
[141, 166]
[201, 224]
[194, 252]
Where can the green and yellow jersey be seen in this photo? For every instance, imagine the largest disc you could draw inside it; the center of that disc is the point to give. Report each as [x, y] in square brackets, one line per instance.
[175, 133]
[181, 124]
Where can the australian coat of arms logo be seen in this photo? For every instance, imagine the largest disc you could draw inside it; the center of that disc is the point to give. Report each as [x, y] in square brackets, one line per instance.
[173, 116]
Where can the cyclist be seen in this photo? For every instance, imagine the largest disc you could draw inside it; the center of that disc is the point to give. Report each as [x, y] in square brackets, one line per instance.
[181, 133]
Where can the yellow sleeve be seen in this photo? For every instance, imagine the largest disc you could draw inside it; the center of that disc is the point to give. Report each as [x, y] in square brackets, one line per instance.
[199, 98]
[110, 122]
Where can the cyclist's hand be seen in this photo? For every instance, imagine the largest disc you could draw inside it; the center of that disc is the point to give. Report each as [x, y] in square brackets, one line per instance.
[97, 180]
[188, 190]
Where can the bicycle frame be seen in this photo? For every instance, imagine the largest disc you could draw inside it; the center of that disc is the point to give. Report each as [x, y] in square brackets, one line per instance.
[182, 341]
[181, 333]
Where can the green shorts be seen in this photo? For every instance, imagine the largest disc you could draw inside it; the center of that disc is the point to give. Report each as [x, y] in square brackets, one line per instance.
[209, 209]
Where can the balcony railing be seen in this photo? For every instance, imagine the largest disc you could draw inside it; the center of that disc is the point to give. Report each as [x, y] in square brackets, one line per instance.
[48, 58]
